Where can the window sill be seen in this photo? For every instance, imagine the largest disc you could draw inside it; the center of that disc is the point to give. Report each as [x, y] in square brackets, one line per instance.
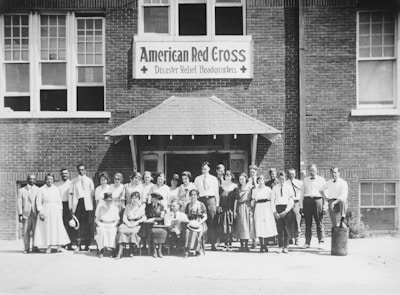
[375, 112]
[56, 115]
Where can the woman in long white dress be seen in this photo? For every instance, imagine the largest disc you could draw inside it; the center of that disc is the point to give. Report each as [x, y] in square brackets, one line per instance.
[117, 190]
[134, 186]
[107, 219]
[263, 214]
[50, 230]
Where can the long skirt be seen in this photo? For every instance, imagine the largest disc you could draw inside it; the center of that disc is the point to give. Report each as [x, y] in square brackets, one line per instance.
[194, 240]
[264, 220]
[128, 234]
[105, 236]
[158, 235]
[243, 221]
[226, 225]
[51, 230]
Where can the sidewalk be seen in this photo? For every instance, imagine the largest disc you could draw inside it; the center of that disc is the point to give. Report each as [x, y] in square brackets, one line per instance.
[372, 267]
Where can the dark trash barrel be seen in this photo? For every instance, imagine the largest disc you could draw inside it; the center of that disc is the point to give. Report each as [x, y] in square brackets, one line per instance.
[339, 241]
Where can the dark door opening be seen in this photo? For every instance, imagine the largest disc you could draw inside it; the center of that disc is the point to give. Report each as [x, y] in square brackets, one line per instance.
[177, 163]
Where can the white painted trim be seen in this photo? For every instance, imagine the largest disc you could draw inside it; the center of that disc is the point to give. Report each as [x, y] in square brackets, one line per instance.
[56, 115]
[375, 112]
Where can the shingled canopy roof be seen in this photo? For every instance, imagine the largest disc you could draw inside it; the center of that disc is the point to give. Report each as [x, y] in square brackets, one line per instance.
[194, 116]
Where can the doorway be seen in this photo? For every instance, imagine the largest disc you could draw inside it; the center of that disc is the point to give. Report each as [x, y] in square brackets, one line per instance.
[177, 163]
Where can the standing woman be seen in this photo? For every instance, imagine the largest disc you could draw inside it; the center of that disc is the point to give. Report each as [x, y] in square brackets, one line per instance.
[184, 189]
[107, 218]
[50, 230]
[227, 196]
[252, 183]
[117, 191]
[103, 188]
[162, 189]
[196, 231]
[134, 215]
[134, 186]
[243, 213]
[263, 214]
[155, 213]
[174, 188]
[147, 185]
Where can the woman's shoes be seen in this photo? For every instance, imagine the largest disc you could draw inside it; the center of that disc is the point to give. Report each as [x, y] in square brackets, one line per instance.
[225, 248]
[160, 252]
[48, 251]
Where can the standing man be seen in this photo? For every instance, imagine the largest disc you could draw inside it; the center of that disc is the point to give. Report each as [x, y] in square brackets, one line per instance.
[273, 178]
[220, 174]
[295, 223]
[27, 211]
[82, 194]
[208, 187]
[64, 186]
[336, 193]
[312, 204]
[252, 176]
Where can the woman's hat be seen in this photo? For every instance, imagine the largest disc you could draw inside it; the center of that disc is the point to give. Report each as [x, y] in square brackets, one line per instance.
[157, 196]
[74, 222]
[194, 226]
[107, 196]
[175, 177]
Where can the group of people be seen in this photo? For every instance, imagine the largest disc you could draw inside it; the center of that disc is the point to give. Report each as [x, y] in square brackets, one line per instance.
[184, 216]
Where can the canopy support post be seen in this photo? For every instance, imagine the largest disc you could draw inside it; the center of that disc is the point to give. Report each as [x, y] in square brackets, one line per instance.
[133, 151]
[254, 140]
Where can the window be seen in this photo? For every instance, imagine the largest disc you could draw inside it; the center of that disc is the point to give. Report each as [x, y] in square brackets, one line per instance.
[16, 62]
[378, 204]
[52, 63]
[90, 67]
[191, 17]
[377, 59]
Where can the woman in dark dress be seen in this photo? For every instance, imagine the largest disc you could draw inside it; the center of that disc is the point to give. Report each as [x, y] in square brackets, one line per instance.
[227, 197]
[155, 214]
[196, 230]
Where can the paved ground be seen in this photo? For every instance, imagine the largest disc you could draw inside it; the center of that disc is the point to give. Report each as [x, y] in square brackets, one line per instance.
[372, 267]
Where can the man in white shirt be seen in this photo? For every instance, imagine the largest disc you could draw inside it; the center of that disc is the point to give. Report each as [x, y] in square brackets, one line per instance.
[336, 193]
[208, 187]
[82, 196]
[27, 211]
[64, 186]
[295, 223]
[282, 204]
[312, 204]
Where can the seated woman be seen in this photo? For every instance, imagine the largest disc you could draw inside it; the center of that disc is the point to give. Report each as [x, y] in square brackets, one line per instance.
[173, 220]
[197, 228]
[107, 219]
[133, 216]
[158, 234]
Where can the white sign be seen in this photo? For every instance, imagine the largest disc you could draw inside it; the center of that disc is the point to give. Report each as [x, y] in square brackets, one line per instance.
[192, 60]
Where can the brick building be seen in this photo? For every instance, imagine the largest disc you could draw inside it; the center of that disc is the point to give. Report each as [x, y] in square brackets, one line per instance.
[311, 80]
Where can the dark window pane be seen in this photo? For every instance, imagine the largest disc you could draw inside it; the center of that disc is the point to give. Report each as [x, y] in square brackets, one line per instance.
[228, 20]
[379, 219]
[90, 98]
[192, 20]
[156, 19]
[17, 103]
[53, 100]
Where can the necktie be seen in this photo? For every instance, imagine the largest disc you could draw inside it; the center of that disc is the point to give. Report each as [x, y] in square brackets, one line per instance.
[281, 191]
[82, 183]
[294, 188]
[205, 183]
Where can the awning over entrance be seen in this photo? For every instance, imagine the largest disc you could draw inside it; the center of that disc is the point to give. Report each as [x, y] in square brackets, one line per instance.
[194, 116]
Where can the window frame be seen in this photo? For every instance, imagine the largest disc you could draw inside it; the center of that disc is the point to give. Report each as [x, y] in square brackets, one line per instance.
[35, 62]
[396, 207]
[366, 109]
[173, 22]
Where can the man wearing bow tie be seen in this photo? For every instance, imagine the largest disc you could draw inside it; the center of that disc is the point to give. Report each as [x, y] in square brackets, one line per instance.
[27, 211]
[82, 196]
[336, 193]
[295, 223]
[312, 204]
